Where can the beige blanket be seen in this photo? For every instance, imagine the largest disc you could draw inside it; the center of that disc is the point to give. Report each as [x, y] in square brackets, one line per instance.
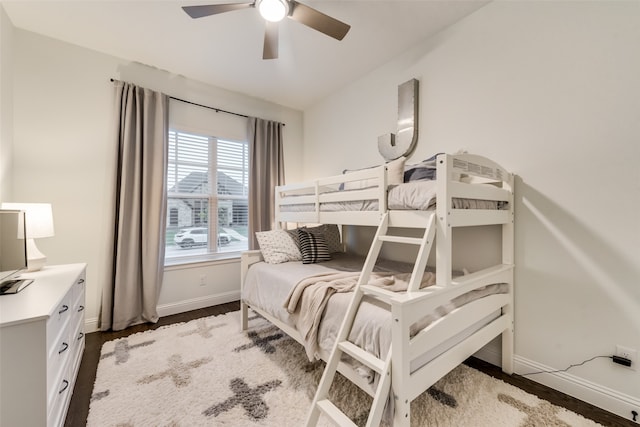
[309, 298]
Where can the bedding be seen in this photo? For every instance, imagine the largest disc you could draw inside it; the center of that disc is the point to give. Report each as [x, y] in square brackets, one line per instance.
[415, 195]
[270, 288]
[310, 296]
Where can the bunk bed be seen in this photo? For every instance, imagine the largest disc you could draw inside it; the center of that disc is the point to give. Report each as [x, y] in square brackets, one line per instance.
[431, 329]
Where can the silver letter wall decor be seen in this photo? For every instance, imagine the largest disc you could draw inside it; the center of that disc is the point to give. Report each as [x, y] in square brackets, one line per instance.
[392, 146]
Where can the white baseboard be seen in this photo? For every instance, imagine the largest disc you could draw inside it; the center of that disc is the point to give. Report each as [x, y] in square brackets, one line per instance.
[595, 394]
[197, 303]
[603, 397]
[91, 325]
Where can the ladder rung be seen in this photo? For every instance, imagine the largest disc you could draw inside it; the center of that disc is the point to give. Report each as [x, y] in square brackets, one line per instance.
[401, 239]
[362, 356]
[335, 414]
[379, 292]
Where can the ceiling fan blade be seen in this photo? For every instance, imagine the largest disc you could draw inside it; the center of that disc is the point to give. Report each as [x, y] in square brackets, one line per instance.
[214, 9]
[270, 50]
[318, 21]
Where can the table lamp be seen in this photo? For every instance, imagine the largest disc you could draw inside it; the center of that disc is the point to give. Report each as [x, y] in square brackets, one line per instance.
[39, 224]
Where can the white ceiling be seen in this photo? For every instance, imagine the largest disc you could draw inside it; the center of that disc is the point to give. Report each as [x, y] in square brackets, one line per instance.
[226, 50]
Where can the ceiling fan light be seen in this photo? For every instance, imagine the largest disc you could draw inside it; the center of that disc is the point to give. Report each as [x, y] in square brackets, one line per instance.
[273, 10]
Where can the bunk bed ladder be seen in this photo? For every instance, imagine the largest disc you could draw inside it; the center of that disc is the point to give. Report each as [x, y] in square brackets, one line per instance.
[321, 403]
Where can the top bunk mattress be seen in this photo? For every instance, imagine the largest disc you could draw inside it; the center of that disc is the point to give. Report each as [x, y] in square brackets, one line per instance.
[415, 195]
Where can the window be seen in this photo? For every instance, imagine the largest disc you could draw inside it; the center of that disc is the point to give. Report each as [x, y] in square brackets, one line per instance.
[207, 189]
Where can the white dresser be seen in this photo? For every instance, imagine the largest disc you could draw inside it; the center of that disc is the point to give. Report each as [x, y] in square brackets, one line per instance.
[41, 345]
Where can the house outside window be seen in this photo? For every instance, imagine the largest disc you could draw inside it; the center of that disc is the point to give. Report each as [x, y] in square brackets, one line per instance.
[173, 216]
[207, 197]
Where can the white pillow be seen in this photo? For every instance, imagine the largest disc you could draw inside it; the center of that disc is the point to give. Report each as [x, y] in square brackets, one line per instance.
[395, 175]
[360, 184]
[277, 246]
[395, 171]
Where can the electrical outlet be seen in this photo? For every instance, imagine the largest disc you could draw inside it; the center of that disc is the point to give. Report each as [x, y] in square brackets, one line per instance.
[203, 280]
[628, 353]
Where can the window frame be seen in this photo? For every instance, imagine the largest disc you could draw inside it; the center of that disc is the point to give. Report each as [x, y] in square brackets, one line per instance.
[212, 199]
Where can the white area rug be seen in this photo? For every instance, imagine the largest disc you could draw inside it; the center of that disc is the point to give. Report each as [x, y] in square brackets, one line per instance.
[207, 373]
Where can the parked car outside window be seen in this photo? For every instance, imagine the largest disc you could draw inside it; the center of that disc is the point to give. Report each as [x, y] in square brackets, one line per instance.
[198, 236]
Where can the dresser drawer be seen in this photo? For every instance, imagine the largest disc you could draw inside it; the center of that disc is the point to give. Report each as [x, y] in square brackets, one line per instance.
[78, 291]
[58, 401]
[58, 359]
[77, 323]
[59, 320]
[67, 331]
[62, 371]
[77, 341]
[69, 310]
[78, 302]
[62, 387]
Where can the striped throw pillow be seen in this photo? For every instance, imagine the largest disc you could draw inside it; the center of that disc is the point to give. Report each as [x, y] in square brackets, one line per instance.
[313, 247]
[330, 232]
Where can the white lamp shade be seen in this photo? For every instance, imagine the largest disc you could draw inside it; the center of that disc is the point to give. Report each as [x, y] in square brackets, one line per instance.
[38, 216]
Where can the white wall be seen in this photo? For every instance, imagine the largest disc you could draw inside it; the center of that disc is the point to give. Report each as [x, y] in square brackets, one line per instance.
[548, 89]
[64, 154]
[6, 104]
[551, 91]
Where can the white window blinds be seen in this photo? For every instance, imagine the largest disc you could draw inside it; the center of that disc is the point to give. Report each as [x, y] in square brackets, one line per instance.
[207, 182]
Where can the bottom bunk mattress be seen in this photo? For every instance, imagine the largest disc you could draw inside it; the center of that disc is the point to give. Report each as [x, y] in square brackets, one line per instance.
[269, 287]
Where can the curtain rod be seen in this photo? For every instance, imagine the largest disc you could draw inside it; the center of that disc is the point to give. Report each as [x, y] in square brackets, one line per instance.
[217, 110]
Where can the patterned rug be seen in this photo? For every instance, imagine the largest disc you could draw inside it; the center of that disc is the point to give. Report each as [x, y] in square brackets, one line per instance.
[207, 373]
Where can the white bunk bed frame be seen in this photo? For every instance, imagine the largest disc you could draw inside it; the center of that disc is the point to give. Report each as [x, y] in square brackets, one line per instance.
[406, 308]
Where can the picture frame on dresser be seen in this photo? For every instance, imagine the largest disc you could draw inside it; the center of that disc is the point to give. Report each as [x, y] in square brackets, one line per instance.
[41, 345]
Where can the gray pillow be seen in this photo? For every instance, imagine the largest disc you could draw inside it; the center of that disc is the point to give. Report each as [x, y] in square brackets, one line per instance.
[425, 170]
[329, 232]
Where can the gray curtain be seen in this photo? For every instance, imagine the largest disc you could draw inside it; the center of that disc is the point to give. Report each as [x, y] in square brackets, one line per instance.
[141, 131]
[266, 166]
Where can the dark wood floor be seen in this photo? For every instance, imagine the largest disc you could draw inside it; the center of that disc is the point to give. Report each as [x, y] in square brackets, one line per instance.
[79, 408]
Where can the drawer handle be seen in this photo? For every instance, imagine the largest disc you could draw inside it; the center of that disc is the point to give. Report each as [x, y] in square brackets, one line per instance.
[80, 281]
[65, 346]
[81, 308]
[66, 386]
[63, 309]
[80, 336]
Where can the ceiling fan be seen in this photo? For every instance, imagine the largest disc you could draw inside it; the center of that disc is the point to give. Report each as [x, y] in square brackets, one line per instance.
[274, 11]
